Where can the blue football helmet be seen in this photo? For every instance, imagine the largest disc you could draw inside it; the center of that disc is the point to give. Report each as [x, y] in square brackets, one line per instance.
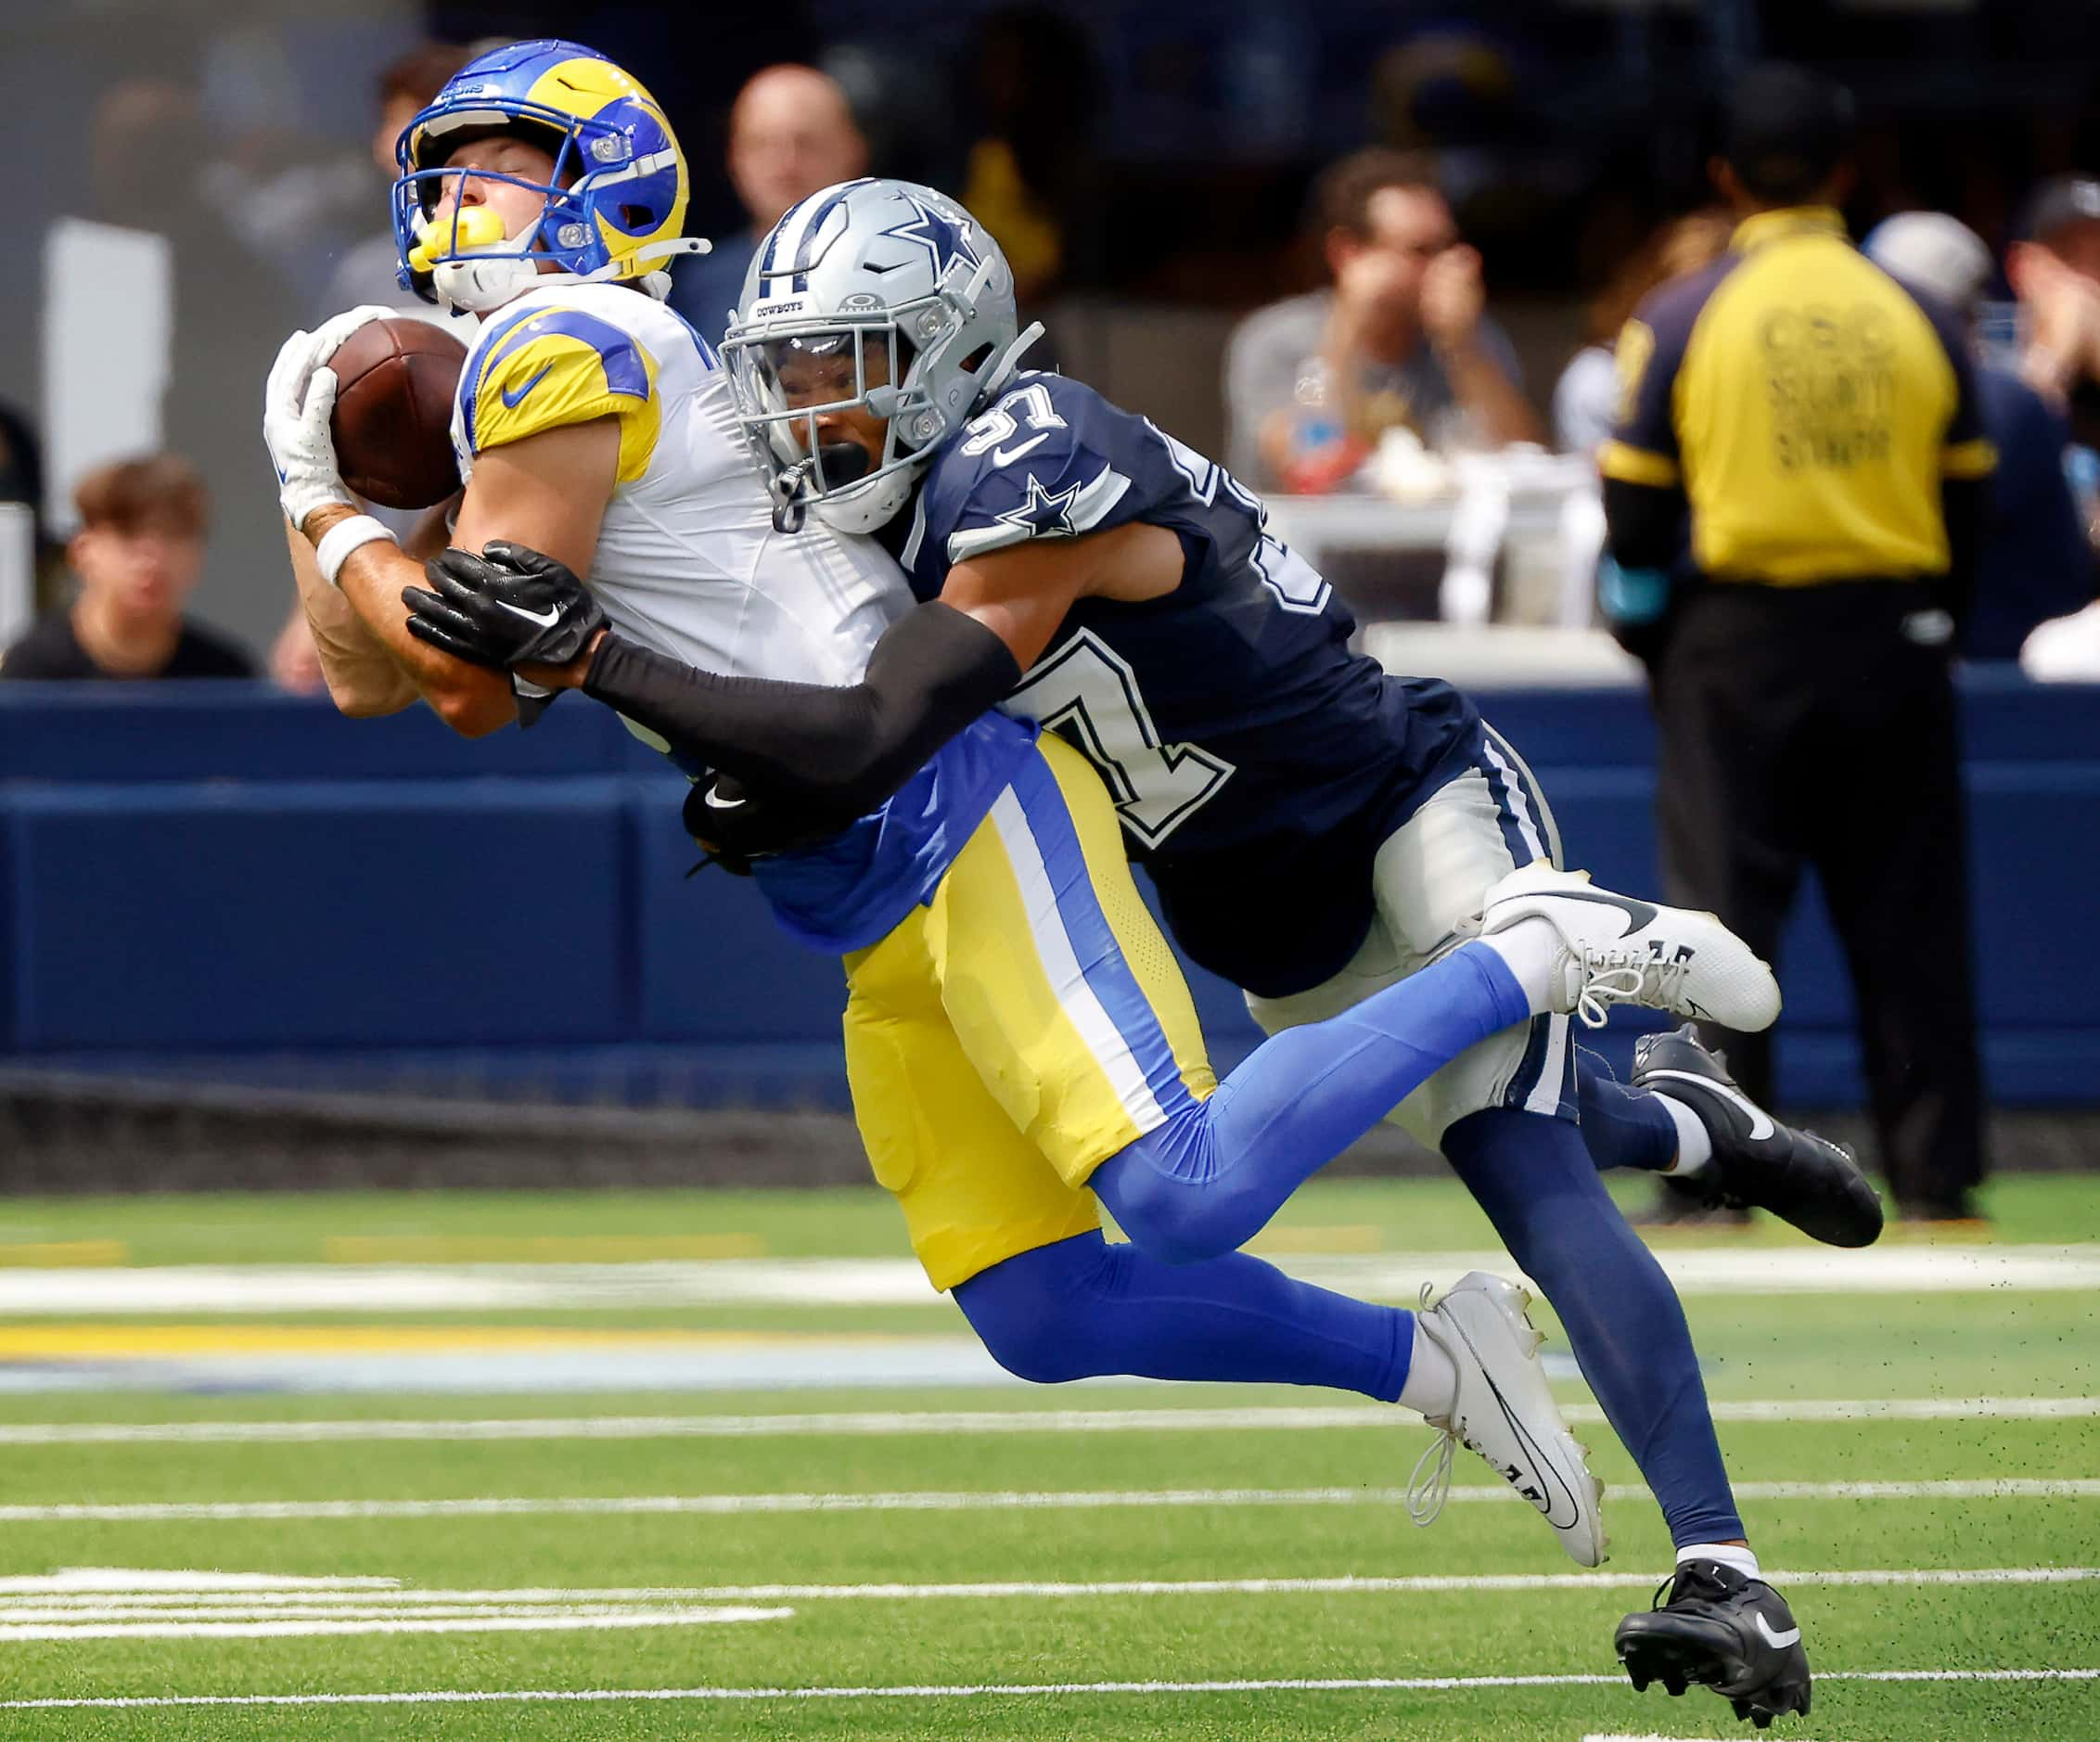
[614, 208]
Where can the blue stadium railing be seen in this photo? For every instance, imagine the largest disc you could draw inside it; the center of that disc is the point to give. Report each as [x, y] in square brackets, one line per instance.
[215, 882]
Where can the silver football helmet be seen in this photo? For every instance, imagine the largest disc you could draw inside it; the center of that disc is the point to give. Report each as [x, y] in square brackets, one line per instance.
[877, 294]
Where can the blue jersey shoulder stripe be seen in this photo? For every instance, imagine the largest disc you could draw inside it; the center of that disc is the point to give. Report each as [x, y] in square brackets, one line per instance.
[624, 371]
[496, 337]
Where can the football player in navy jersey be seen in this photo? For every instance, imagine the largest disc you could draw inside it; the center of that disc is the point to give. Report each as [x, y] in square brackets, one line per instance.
[1317, 830]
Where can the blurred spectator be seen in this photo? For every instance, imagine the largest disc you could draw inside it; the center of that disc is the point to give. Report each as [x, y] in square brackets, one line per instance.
[1585, 399]
[790, 133]
[2033, 562]
[139, 556]
[1815, 425]
[1401, 340]
[369, 271]
[2054, 270]
[1032, 75]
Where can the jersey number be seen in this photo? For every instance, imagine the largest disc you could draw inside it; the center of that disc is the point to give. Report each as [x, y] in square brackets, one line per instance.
[988, 430]
[1297, 586]
[1089, 693]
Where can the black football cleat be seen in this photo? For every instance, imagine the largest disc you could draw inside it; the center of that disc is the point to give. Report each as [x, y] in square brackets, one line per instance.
[1721, 1630]
[1758, 1162]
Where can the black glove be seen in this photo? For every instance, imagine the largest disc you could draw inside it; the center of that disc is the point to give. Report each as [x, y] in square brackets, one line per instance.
[734, 827]
[506, 608]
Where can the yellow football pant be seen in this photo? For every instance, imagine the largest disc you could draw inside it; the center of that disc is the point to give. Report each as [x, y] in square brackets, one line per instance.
[1018, 1029]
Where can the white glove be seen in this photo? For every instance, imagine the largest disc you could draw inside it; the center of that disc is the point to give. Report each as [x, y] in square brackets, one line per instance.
[297, 403]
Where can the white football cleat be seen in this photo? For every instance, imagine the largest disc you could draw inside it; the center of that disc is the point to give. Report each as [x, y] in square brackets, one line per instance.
[1620, 950]
[1502, 1409]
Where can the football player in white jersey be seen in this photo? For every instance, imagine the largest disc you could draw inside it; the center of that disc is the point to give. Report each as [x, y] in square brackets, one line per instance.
[542, 193]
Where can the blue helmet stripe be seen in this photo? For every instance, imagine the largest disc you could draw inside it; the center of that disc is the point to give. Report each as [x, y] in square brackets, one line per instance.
[807, 222]
[774, 236]
[803, 261]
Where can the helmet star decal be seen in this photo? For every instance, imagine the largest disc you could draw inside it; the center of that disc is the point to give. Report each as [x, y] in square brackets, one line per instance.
[1045, 514]
[942, 237]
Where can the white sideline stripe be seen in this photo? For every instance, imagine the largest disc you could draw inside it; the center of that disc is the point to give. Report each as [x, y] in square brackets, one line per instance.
[1255, 1418]
[59, 1596]
[276, 1289]
[2003, 1488]
[594, 1696]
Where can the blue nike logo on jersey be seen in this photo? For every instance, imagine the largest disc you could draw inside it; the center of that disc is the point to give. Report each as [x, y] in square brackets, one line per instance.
[510, 400]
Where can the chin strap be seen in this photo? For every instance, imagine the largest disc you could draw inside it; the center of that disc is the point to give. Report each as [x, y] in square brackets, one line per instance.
[648, 254]
[790, 507]
[1009, 361]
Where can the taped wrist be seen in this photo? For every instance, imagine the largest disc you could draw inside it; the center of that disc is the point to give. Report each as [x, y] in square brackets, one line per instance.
[842, 750]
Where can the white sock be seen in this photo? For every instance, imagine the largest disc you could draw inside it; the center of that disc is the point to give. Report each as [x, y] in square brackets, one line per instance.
[1727, 1554]
[1530, 949]
[1695, 1148]
[1431, 1377]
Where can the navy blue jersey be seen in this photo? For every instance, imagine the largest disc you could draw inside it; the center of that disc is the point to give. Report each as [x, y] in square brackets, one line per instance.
[1256, 761]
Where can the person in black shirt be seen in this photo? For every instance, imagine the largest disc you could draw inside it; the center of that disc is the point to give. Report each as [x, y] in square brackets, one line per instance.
[139, 556]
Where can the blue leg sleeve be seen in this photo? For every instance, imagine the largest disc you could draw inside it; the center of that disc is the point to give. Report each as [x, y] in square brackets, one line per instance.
[1540, 1188]
[1080, 1308]
[1624, 1127]
[1205, 1182]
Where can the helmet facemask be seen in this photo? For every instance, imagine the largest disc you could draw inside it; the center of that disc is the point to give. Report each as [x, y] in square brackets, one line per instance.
[786, 374]
[581, 222]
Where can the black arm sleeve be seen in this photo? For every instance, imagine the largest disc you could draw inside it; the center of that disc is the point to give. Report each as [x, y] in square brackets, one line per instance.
[1644, 523]
[823, 749]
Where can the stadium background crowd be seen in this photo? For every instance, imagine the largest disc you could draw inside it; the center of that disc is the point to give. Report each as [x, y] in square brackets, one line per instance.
[1349, 247]
[1132, 160]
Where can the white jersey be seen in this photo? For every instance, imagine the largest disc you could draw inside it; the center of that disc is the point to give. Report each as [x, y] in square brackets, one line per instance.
[687, 560]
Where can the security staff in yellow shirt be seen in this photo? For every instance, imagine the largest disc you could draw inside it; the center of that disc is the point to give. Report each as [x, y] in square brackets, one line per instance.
[1798, 446]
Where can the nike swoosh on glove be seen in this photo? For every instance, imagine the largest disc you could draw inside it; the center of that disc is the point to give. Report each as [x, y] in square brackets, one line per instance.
[506, 607]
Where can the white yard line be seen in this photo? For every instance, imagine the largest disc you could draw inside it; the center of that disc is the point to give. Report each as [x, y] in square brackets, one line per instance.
[65, 1595]
[878, 1423]
[598, 1696]
[276, 1289]
[2010, 1488]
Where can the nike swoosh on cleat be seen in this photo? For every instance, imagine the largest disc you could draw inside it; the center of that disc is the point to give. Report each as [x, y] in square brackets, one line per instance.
[1641, 915]
[714, 801]
[511, 399]
[1543, 1474]
[1761, 1121]
[1006, 456]
[1791, 1636]
[546, 618]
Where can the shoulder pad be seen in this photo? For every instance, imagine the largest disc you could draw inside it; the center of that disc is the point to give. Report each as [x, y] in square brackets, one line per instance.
[1027, 467]
[547, 367]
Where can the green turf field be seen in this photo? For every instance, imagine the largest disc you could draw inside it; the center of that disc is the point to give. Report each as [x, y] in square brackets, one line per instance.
[840, 1555]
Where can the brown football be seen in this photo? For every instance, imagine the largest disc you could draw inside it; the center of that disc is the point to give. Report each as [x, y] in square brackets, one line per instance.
[392, 424]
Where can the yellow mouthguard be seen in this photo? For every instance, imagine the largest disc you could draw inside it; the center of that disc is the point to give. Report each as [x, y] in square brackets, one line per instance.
[477, 227]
